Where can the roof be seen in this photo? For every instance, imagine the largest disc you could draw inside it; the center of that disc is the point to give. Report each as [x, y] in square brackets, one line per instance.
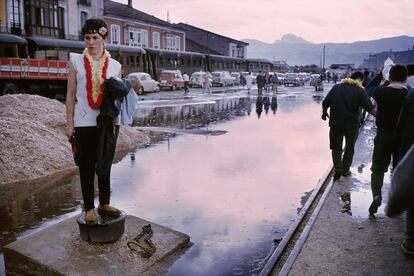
[125, 11]
[195, 33]
[54, 42]
[12, 39]
[77, 44]
[258, 60]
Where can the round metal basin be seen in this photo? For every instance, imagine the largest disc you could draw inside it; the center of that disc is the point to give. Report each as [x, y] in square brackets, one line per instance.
[107, 229]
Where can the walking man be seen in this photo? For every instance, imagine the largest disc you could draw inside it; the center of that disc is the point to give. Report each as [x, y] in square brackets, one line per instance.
[260, 83]
[344, 101]
[389, 102]
[186, 80]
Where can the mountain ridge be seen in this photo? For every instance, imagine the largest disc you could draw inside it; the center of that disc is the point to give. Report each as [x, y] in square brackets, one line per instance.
[297, 51]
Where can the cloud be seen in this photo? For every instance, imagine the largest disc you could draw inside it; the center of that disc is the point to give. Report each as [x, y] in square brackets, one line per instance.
[267, 20]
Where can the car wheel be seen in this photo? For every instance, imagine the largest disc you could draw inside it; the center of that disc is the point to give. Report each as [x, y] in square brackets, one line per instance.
[9, 88]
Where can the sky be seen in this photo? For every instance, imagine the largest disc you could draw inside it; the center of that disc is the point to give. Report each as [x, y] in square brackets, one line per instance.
[317, 21]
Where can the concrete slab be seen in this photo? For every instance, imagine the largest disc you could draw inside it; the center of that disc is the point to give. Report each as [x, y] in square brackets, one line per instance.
[59, 250]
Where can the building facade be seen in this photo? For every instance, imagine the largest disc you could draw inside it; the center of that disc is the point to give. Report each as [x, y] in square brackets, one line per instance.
[47, 18]
[375, 61]
[128, 26]
[206, 42]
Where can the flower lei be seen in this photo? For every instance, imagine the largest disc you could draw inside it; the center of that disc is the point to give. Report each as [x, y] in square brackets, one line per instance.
[95, 79]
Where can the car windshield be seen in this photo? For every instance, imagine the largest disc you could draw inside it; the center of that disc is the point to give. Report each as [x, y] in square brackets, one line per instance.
[216, 74]
[196, 75]
[165, 75]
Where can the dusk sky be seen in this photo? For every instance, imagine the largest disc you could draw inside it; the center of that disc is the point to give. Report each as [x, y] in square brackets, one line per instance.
[267, 20]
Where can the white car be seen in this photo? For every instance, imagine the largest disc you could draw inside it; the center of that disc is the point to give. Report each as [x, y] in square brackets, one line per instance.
[222, 78]
[148, 84]
[197, 79]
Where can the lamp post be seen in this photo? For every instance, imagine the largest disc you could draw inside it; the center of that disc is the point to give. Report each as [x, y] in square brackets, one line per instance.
[208, 53]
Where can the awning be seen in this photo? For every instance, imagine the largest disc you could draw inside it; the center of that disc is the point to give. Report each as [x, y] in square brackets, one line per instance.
[56, 43]
[12, 39]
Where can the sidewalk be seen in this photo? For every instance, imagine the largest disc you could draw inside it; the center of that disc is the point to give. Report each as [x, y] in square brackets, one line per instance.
[344, 240]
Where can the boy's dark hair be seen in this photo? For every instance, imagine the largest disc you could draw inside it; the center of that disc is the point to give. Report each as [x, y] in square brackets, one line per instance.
[93, 25]
[357, 75]
[410, 69]
[398, 73]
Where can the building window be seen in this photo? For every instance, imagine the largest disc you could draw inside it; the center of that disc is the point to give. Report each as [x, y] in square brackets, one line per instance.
[136, 37]
[83, 17]
[14, 14]
[177, 43]
[115, 34]
[156, 40]
[172, 42]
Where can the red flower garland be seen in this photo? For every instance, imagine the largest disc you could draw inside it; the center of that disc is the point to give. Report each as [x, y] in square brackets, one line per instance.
[88, 69]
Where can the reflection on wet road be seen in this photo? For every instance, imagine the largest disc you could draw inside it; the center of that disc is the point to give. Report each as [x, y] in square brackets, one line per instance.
[232, 193]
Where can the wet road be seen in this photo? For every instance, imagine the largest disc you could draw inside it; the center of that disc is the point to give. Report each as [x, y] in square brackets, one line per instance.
[233, 193]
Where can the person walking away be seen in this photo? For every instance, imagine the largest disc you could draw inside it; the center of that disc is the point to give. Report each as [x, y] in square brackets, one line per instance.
[206, 84]
[85, 93]
[410, 78]
[242, 80]
[249, 82]
[267, 81]
[344, 101]
[335, 78]
[260, 83]
[186, 80]
[274, 81]
[404, 134]
[389, 101]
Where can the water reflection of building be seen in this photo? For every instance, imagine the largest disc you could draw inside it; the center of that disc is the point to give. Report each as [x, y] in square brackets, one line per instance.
[29, 208]
[195, 115]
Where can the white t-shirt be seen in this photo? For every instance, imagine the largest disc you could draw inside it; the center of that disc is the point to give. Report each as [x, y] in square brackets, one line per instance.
[84, 115]
[186, 78]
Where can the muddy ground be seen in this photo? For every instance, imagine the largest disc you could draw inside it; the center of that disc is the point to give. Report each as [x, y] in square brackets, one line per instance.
[32, 139]
[344, 239]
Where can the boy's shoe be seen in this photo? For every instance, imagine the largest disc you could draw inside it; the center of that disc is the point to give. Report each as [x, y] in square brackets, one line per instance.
[337, 175]
[346, 173]
[406, 249]
[108, 210]
[91, 218]
[373, 208]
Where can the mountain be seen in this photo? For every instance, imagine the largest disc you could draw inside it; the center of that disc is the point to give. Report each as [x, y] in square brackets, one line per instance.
[298, 51]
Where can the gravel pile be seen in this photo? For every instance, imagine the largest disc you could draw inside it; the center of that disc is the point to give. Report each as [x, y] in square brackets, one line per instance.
[32, 139]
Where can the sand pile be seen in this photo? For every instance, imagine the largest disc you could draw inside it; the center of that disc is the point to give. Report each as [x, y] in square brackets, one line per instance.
[32, 139]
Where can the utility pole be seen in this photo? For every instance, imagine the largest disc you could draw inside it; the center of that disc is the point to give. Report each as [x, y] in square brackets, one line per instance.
[323, 57]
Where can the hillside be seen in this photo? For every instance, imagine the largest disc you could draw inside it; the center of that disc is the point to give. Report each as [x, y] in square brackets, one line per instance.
[298, 51]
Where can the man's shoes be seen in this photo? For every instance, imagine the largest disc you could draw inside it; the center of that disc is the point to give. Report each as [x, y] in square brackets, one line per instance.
[406, 249]
[108, 210]
[91, 217]
[346, 173]
[373, 208]
[337, 175]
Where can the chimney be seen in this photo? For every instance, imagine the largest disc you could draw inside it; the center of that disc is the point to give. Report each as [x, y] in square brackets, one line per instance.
[130, 3]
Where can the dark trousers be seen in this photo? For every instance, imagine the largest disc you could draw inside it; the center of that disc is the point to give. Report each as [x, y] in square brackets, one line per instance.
[381, 159]
[88, 140]
[349, 131]
[186, 87]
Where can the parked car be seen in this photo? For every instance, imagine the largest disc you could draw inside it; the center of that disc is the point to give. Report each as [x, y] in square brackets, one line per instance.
[222, 78]
[171, 79]
[197, 79]
[316, 82]
[147, 83]
[281, 78]
[236, 76]
[293, 79]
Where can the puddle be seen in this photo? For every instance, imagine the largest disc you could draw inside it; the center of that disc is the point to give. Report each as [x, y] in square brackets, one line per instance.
[233, 193]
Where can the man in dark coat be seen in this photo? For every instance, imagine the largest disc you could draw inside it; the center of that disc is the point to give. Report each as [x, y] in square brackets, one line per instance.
[344, 101]
[260, 80]
[404, 140]
[389, 101]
